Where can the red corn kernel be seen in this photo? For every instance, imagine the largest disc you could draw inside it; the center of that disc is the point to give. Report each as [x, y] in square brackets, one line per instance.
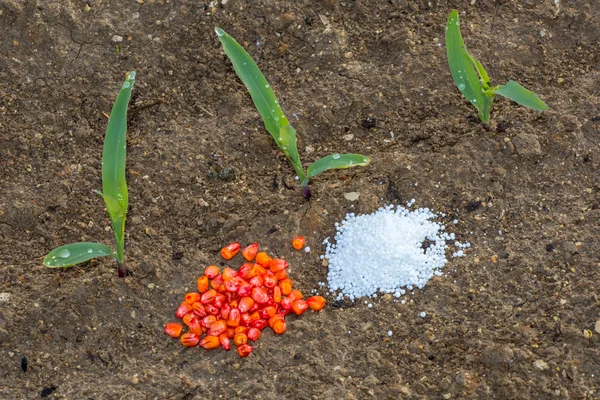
[228, 274]
[270, 281]
[247, 271]
[279, 327]
[202, 284]
[198, 309]
[210, 342]
[277, 317]
[211, 271]
[263, 259]
[250, 252]
[233, 319]
[245, 289]
[230, 332]
[183, 309]
[277, 265]
[256, 281]
[296, 294]
[244, 350]
[286, 286]
[187, 318]
[191, 298]
[277, 294]
[212, 309]
[190, 339]
[244, 319]
[254, 316]
[240, 329]
[225, 310]
[286, 303]
[217, 328]
[299, 307]
[219, 300]
[267, 312]
[217, 282]
[240, 339]
[245, 304]
[281, 275]
[195, 326]
[254, 308]
[231, 286]
[286, 312]
[208, 297]
[229, 251]
[298, 242]
[253, 334]
[208, 321]
[224, 340]
[258, 324]
[259, 295]
[173, 329]
[316, 302]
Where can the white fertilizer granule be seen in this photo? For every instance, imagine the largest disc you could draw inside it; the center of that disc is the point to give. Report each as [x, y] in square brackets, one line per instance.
[386, 251]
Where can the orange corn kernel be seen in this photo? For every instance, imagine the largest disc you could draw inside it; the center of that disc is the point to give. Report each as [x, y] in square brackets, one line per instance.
[211, 271]
[225, 342]
[281, 275]
[217, 282]
[260, 270]
[183, 309]
[247, 271]
[240, 329]
[279, 327]
[277, 265]
[249, 252]
[263, 259]
[299, 307]
[190, 339]
[253, 334]
[208, 321]
[274, 319]
[296, 294]
[173, 329]
[217, 328]
[228, 274]
[229, 251]
[195, 326]
[316, 302]
[244, 350]
[230, 332]
[240, 339]
[260, 295]
[286, 286]
[233, 319]
[267, 312]
[191, 298]
[202, 284]
[208, 297]
[188, 317]
[298, 242]
[270, 281]
[277, 294]
[210, 342]
[245, 304]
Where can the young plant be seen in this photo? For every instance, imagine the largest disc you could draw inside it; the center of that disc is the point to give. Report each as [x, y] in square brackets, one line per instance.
[472, 80]
[275, 121]
[114, 191]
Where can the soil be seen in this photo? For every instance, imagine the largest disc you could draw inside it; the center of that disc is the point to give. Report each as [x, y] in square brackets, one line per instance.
[511, 320]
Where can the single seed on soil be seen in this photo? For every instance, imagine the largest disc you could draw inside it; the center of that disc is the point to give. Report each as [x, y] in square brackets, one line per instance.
[298, 242]
[229, 251]
[173, 329]
[244, 350]
[249, 253]
[316, 303]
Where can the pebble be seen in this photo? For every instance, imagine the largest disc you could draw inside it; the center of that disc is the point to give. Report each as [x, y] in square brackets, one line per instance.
[135, 380]
[352, 196]
[423, 314]
[597, 326]
[541, 365]
[117, 38]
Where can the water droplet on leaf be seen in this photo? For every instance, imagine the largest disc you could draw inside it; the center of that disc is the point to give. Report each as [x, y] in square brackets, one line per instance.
[335, 156]
[64, 253]
[461, 86]
[90, 251]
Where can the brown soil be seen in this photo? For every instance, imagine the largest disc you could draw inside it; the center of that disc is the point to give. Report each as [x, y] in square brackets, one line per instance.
[508, 320]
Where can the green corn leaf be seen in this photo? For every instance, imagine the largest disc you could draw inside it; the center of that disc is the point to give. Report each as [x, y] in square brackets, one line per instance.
[485, 79]
[520, 95]
[76, 253]
[114, 186]
[262, 95]
[461, 65]
[336, 161]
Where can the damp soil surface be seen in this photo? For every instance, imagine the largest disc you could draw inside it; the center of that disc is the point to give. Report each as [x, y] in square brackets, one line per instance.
[514, 319]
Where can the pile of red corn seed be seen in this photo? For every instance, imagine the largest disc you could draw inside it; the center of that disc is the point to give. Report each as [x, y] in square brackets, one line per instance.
[238, 305]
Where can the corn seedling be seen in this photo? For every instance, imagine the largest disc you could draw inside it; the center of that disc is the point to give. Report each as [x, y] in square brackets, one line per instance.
[473, 81]
[114, 191]
[275, 121]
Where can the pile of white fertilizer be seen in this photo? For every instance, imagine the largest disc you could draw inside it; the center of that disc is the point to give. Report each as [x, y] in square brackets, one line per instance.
[384, 252]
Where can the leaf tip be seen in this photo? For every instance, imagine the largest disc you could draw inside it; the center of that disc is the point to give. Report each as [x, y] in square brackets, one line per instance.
[220, 32]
